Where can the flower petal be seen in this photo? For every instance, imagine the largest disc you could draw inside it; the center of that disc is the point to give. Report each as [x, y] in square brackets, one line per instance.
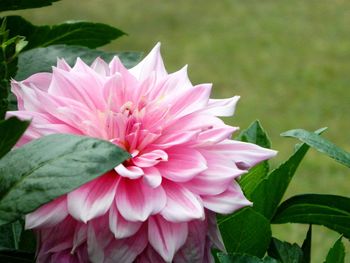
[166, 237]
[221, 107]
[150, 159]
[131, 172]
[152, 177]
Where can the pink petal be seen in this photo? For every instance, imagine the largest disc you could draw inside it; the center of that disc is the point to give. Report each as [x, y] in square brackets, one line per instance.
[216, 135]
[48, 215]
[183, 164]
[152, 177]
[175, 138]
[227, 202]
[100, 66]
[182, 205]
[132, 172]
[136, 201]
[166, 237]
[214, 232]
[152, 62]
[120, 227]
[221, 107]
[92, 199]
[150, 159]
[149, 255]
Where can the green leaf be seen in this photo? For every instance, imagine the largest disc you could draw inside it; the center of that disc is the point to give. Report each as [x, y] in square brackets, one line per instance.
[78, 33]
[10, 236]
[245, 231]
[306, 247]
[255, 134]
[285, 252]
[337, 253]
[23, 4]
[29, 63]
[243, 258]
[269, 193]
[331, 211]
[15, 256]
[320, 144]
[10, 132]
[49, 167]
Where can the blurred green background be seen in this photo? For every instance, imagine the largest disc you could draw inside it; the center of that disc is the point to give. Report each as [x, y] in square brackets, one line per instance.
[289, 61]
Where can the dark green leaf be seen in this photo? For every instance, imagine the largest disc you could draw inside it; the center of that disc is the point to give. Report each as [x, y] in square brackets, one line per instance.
[86, 34]
[10, 132]
[243, 258]
[337, 253]
[329, 210]
[306, 247]
[268, 194]
[246, 231]
[255, 134]
[29, 63]
[10, 236]
[49, 167]
[23, 4]
[15, 256]
[320, 144]
[285, 252]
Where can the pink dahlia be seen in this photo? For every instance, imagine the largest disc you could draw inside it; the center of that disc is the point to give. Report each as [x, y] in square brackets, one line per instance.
[160, 205]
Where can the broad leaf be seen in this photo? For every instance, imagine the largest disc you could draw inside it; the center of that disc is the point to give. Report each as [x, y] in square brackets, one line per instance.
[245, 231]
[329, 210]
[306, 247]
[285, 252]
[243, 258]
[86, 34]
[23, 4]
[10, 132]
[320, 144]
[337, 253]
[255, 134]
[269, 193]
[49, 167]
[29, 63]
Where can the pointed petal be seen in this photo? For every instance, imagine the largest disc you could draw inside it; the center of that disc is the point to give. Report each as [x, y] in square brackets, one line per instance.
[150, 159]
[136, 201]
[221, 107]
[182, 205]
[92, 199]
[166, 237]
[100, 66]
[227, 202]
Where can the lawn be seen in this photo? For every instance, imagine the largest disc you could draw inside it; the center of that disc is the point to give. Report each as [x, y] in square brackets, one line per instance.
[289, 61]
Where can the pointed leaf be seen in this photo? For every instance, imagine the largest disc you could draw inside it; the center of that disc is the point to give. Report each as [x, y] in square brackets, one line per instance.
[255, 134]
[245, 231]
[285, 252]
[329, 210]
[306, 247]
[24, 4]
[86, 34]
[320, 144]
[337, 253]
[28, 62]
[10, 132]
[49, 167]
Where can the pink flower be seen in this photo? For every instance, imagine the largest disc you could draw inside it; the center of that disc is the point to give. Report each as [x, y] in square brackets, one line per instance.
[159, 205]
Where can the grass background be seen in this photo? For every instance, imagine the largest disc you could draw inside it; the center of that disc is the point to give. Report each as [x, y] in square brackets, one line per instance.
[289, 61]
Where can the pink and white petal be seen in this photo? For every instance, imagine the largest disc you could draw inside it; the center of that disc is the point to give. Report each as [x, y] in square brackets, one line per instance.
[114, 92]
[131, 172]
[216, 135]
[227, 202]
[62, 64]
[221, 107]
[93, 199]
[48, 215]
[152, 62]
[136, 201]
[173, 139]
[126, 250]
[183, 164]
[244, 154]
[182, 205]
[120, 227]
[39, 80]
[80, 236]
[152, 177]
[100, 66]
[214, 232]
[166, 237]
[151, 158]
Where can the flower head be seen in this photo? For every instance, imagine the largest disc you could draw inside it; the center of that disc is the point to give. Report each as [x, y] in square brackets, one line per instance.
[159, 205]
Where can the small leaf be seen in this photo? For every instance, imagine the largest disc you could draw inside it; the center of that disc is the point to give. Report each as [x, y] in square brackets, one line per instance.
[29, 64]
[331, 211]
[320, 144]
[255, 134]
[306, 247]
[245, 231]
[24, 4]
[10, 132]
[285, 252]
[49, 167]
[243, 258]
[80, 33]
[337, 253]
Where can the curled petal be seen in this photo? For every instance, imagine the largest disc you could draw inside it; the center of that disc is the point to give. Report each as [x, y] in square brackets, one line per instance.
[152, 177]
[132, 172]
[151, 158]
